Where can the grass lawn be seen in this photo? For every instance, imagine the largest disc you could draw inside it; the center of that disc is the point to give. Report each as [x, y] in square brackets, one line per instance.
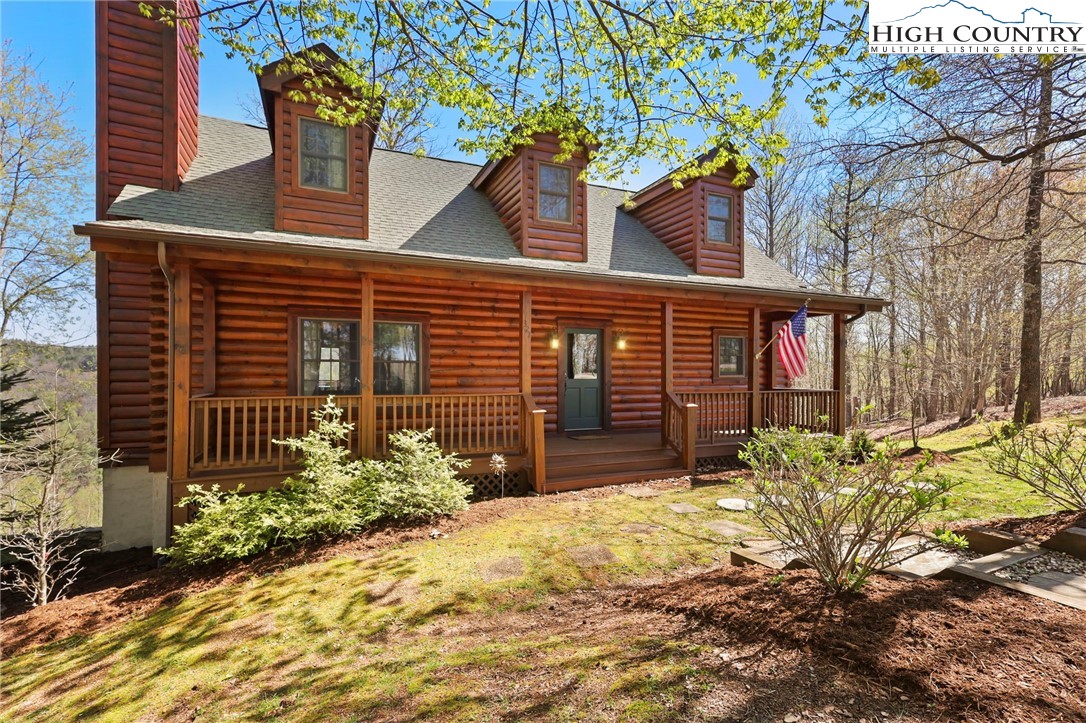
[415, 632]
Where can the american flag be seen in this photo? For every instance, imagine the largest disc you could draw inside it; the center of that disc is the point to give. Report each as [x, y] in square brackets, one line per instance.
[792, 344]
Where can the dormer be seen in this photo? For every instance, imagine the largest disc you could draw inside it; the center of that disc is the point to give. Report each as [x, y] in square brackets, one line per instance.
[701, 221]
[321, 168]
[541, 201]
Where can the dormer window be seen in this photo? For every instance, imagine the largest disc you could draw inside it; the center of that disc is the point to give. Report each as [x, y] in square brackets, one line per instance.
[719, 228]
[555, 193]
[323, 156]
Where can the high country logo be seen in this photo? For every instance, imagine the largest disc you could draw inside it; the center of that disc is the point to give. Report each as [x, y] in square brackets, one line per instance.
[954, 26]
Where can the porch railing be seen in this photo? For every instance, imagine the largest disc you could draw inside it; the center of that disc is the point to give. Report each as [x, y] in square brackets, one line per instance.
[227, 433]
[722, 416]
[813, 410]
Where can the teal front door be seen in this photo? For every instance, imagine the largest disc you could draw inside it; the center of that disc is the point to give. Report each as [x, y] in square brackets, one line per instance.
[584, 392]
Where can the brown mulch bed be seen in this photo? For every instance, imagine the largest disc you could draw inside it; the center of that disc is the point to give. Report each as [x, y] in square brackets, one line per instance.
[1040, 528]
[119, 586]
[938, 649]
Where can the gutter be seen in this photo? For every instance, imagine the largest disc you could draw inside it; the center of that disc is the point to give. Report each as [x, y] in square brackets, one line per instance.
[230, 242]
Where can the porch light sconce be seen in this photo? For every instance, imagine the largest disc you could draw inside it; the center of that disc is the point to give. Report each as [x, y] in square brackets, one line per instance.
[620, 341]
[552, 339]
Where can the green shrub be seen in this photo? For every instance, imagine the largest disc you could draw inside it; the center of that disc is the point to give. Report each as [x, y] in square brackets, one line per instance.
[418, 479]
[1051, 461]
[861, 447]
[331, 495]
[841, 519]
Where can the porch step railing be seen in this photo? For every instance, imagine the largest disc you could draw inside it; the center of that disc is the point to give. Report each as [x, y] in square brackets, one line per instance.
[722, 416]
[679, 429]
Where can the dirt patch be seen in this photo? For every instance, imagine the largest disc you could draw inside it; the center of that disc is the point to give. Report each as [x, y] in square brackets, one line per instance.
[592, 555]
[1040, 528]
[640, 528]
[503, 568]
[916, 454]
[966, 649]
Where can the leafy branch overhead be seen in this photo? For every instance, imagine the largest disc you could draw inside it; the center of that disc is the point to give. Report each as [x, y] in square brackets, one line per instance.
[630, 79]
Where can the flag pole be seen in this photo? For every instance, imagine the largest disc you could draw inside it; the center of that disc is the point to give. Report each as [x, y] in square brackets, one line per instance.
[774, 338]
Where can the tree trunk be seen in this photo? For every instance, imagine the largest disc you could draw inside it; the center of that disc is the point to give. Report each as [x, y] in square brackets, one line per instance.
[1027, 408]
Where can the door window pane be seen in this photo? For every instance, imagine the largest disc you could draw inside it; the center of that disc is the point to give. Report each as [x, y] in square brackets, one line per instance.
[731, 356]
[323, 155]
[330, 357]
[396, 365]
[583, 355]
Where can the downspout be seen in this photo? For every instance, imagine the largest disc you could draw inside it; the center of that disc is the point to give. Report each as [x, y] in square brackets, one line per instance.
[862, 314]
[164, 265]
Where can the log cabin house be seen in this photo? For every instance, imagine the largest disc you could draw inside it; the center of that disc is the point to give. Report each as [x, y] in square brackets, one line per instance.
[245, 273]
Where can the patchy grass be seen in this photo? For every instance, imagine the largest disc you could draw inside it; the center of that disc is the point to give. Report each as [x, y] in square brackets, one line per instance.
[316, 638]
[983, 494]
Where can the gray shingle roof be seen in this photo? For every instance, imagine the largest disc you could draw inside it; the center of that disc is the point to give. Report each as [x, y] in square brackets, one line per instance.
[420, 207]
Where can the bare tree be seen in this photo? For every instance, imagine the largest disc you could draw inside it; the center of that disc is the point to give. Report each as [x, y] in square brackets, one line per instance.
[46, 268]
[37, 481]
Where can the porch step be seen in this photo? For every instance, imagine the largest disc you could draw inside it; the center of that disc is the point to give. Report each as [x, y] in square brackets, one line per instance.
[602, 462]
[580, 481]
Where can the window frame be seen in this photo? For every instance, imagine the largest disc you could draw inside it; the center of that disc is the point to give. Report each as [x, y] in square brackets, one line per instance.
[743, 335]
[423, 322]
[295, 373]
[299, 156]
[539, 193]
[730, 221]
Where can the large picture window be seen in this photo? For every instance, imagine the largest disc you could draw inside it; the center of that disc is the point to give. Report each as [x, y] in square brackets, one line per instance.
[555, 193]
[730, 356]
[323, 155]
[719, 222]
[329, 361]
[397, 357]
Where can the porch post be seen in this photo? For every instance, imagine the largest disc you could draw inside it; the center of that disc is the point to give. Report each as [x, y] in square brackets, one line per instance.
[755, 366]
[667, 361]
[526, 342]
[367, 435]
[839, 418]
[181, 391]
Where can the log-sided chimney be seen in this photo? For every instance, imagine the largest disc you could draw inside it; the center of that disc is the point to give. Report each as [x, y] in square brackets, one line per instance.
[147, 98]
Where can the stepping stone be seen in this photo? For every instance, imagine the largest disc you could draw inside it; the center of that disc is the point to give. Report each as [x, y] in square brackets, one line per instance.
[1063, 583]
[727, 528]
[592, 555]
[640, 528]
[735, 504]
[684, 508]
[640, 492]
[847, 491]
[504, 568]
[925, 564]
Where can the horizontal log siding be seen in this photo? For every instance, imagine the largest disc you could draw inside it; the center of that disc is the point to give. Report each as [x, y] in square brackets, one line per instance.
[131, 100]
[474, 332]
[315, 211]
[635, 371]
[694, 352]
[671, 219]
[135, 368]
[188, 88]
[505, 189]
